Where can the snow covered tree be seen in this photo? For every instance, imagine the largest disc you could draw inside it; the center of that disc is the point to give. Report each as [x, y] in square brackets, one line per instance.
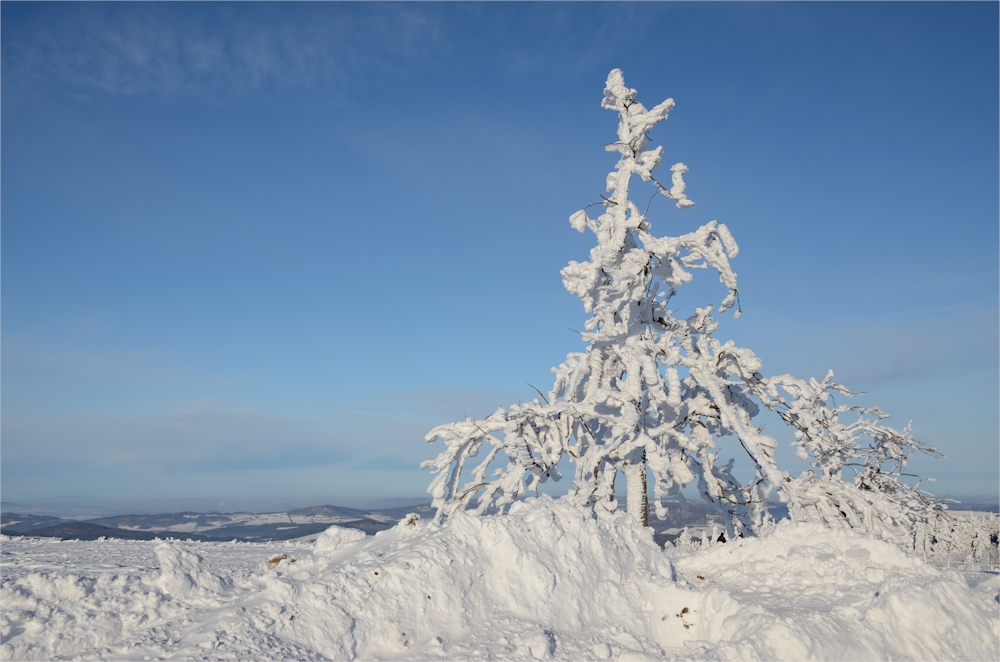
[653, 393]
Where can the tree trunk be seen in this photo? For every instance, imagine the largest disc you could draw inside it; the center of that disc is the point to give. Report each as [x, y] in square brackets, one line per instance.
[635, 490]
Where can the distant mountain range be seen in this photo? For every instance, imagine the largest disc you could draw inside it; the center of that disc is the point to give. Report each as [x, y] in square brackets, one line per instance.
[210, 526]
[258, 527]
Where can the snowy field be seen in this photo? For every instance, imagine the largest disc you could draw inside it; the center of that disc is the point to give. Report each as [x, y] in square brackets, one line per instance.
[546, 581]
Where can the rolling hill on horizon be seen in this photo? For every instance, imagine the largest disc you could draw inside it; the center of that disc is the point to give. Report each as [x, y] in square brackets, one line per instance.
[241, 526]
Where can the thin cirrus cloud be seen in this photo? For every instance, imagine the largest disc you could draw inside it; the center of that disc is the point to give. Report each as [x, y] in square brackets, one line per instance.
[20, 356]
[204, 450]
[27, 359]
[201, 443]
[134, 49]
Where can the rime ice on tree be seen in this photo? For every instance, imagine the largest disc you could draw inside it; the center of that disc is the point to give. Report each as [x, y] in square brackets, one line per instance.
[652, 393]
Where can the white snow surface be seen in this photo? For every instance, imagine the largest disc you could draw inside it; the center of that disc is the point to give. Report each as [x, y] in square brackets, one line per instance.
[545, 581]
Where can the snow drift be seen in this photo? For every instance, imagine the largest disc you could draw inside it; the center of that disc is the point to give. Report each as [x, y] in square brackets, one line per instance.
[546, 580]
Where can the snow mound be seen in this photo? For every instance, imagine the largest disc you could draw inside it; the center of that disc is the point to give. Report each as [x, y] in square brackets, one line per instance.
[48, 616]
[813, 592]
[335, 538]
[184, 573]
[545, 581]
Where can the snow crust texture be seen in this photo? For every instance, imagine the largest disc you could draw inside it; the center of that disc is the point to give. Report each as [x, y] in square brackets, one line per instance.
[545, 581]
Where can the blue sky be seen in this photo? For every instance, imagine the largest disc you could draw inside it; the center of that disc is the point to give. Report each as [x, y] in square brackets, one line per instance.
[261, 249]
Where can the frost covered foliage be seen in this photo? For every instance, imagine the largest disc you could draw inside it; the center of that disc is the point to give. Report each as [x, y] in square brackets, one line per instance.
[654, 394]
[964, 539]
[850, 439]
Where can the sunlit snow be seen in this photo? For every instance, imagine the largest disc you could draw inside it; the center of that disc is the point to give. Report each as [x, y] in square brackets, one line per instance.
[546, 581]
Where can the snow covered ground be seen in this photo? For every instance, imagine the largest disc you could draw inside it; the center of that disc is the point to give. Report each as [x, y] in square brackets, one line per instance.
[545, 581]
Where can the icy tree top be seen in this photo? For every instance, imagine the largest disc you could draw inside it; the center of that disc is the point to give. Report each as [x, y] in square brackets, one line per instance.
[619, 283]
[633, 125]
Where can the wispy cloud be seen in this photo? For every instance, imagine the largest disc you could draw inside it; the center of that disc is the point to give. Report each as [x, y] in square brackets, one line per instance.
[453, 404]
[34, 357]
[171, 48]
[429, 405]
[866, 352]
[186, 442]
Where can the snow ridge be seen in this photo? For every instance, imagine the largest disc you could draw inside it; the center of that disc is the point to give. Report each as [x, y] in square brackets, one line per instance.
[545, 581]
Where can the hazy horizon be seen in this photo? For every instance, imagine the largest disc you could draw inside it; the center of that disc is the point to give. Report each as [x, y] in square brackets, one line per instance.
[86, 507]
[76, 507]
